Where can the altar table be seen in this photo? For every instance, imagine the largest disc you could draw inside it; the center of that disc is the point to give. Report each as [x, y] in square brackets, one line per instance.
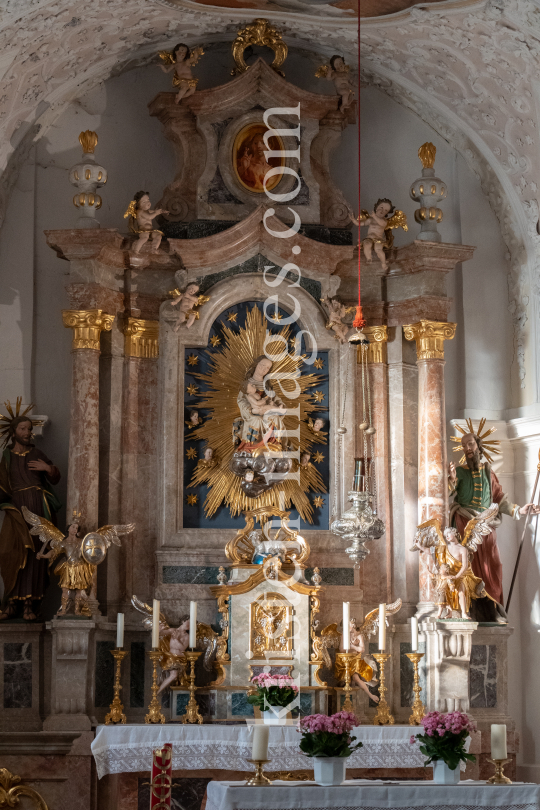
[365, 795]
[122, 749]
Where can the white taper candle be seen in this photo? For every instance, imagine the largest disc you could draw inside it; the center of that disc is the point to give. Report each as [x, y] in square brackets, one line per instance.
[155, 624]
[346, 626]
[414, 634]
[119, 631]
[260, 742]
[382, 627]
[498, 742]
[193, 624]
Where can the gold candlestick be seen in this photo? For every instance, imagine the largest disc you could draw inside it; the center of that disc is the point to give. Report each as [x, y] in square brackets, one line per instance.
[258, 779]
[192, 714]
[116, 713]
[498, 777]
[347, 703]
[155, 715]
[383, 716]
[418, 708]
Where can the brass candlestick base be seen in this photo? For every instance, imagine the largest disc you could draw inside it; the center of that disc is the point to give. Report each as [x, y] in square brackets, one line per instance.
[418, 708]
[155, 715]
[192, 714]
[116, 714]
[383, 716]
[347, 703]
[258, 779]
[499, 778]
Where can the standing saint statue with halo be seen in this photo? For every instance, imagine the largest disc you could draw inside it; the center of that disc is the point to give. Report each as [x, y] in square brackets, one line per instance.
[475, 486]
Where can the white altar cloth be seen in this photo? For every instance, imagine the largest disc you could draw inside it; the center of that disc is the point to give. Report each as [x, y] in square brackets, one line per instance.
[365, 795]
[121, 749]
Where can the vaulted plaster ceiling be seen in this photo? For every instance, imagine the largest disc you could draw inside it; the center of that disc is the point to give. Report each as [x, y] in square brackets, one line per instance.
[379, 8]
[471, 70]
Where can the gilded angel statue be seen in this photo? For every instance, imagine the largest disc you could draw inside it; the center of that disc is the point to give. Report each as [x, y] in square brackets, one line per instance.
[174, 641]
[339, 73]
[380, 223]
[82, 555]
[181, 59]
[363, 667]
[450, 565]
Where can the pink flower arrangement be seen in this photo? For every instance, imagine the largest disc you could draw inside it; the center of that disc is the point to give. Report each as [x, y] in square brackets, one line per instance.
[273, 690]
[444, 738]
[324, 736]
[282, 681]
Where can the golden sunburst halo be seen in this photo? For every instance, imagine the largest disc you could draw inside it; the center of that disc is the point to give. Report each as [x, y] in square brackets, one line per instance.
[191, 453]
[318, 457]
[227, 369]
[489, 448]
[318, 501]
[215, 341]
[192, 360]
[192, 500]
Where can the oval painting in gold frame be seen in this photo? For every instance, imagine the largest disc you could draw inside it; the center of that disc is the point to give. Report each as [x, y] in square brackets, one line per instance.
[249, 162]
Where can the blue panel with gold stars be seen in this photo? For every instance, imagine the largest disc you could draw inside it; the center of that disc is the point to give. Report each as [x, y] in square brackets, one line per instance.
[197, 361]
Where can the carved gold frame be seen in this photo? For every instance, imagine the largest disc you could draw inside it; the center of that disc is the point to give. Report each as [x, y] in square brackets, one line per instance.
[259, 32]
[240, 549]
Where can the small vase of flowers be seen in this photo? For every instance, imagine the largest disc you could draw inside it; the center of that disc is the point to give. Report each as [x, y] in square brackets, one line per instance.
[274, 696]
[444, 742]
[328, 740]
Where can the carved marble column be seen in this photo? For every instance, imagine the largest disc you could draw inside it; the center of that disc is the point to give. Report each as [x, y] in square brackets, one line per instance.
[376, 572]
[83, 471]
[432, 476]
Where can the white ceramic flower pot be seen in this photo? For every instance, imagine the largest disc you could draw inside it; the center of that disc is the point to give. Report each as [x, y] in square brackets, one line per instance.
[442, 775]
[329, 770]
[277, 717]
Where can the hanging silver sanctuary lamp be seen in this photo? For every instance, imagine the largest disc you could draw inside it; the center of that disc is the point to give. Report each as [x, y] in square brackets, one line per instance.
[360, 523]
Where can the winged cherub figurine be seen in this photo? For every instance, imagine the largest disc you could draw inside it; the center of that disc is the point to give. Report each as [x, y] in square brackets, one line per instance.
[336, 313]
[181, 59]
[140, 216]
[174, 641]
[82, 556]
[450, 565]
[339, 73]
[188, 300]
[363, 667]
[380, 223]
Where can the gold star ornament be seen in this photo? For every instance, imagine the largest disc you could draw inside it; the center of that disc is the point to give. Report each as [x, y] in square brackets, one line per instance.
[215, 341]
[318, 457]
[318, 396]
[318, 501]
[192, 389]
[318, 363]
[192, 500]
[192, 360]
[232, 317]
[191, 453]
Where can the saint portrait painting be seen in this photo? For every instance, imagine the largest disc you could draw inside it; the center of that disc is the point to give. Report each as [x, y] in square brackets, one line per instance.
[249, 159]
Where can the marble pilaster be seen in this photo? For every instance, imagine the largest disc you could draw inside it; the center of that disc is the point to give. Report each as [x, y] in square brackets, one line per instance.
[72, 668]
[448, 658]
[432, 476]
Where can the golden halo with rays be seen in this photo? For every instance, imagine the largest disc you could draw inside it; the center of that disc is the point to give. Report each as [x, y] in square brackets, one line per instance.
[488, 447]
[5, 421]
[228, 367]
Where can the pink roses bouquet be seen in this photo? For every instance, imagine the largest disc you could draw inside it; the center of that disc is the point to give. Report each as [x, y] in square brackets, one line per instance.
[444, 738]
[324, 736]
[273, 690]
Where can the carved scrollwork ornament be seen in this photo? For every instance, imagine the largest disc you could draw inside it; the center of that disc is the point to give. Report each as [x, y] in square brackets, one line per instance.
[259, 32]
[11, 789]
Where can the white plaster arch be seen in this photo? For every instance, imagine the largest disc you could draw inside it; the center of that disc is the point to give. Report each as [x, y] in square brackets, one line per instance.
[227, 293]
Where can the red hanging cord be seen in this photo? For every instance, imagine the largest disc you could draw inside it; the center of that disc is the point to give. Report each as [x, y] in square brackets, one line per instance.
[359, 320]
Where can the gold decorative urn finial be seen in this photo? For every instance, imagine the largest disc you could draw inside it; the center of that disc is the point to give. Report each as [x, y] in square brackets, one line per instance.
[427, 153]
[88, 140]
[259, 32]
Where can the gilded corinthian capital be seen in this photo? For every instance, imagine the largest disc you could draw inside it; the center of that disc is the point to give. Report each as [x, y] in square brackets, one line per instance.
[87, 325]
[141, 338]
[430, 337]
[378, 337]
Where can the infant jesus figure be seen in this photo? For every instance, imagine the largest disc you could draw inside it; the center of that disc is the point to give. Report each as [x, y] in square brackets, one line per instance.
[174, 661]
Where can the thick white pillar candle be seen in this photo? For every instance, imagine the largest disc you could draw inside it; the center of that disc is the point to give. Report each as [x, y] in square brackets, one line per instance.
[260, 742]
[193, 624]
[346, 626]
[498, 742]
[119, 631]
[155, 624]
[382, 627]
[414, 634]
